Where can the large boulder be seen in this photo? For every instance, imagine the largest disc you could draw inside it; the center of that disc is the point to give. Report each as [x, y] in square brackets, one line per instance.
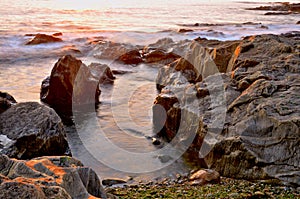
[29, 130]
[6, 101]
[48, 177]
[246, 121]
[43, 38]
[71, 83]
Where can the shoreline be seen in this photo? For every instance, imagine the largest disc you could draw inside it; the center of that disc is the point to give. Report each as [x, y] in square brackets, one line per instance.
[246, 73]
[227, 188]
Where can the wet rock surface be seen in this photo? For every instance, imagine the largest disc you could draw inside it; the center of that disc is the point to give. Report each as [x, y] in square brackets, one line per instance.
[245, 120]
[29, 130]
[6, 101]
[71, 83]
[48, 177]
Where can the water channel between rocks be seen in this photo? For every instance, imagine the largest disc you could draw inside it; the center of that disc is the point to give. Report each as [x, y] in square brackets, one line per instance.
[116, 140]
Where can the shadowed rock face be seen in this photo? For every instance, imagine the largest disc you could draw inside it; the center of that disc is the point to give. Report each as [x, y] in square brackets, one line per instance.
[48, 177]
[70, 81]
[29, 130]
[6, 101]
[247, 119]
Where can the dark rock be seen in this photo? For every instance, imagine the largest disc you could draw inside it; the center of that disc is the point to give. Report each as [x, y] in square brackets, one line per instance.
[110, 182]
[159, 56]
[48, 177]
[283, 6]
[70, 83]
[278, 13]
[6, 101]
[57, 34]
[156, 141]
[131, 57]
[43, 38]
[30, 130]
[182, 30]
[298, 22]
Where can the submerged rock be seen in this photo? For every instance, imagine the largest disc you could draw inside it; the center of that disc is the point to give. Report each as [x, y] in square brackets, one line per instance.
[48, 177]
[6, 101]
[70, 83]
[245, 120]
[43, 38]
[29, 130]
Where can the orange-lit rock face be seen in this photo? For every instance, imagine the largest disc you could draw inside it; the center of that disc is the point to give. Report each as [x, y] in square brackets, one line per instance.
[49, 177]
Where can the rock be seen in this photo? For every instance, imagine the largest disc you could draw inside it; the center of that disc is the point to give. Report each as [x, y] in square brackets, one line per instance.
[70, 49]
[282, 7]
[278, 13]
[57, 34]
[102, 71]
[30, 130]
[156, 141]
[70, 83]
[179, 70]
[43, 38]
[48, 177]
[164, 51]
[6, 101]
[298, 22]
[116, 51]
[131, 57]
[159, 56]
[114, 181]
[205, 176]
[182, 30]
[246, 120]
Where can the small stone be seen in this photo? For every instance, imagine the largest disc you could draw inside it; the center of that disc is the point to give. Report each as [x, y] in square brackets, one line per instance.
[155, 141]
[202, 177]
[259, 193]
